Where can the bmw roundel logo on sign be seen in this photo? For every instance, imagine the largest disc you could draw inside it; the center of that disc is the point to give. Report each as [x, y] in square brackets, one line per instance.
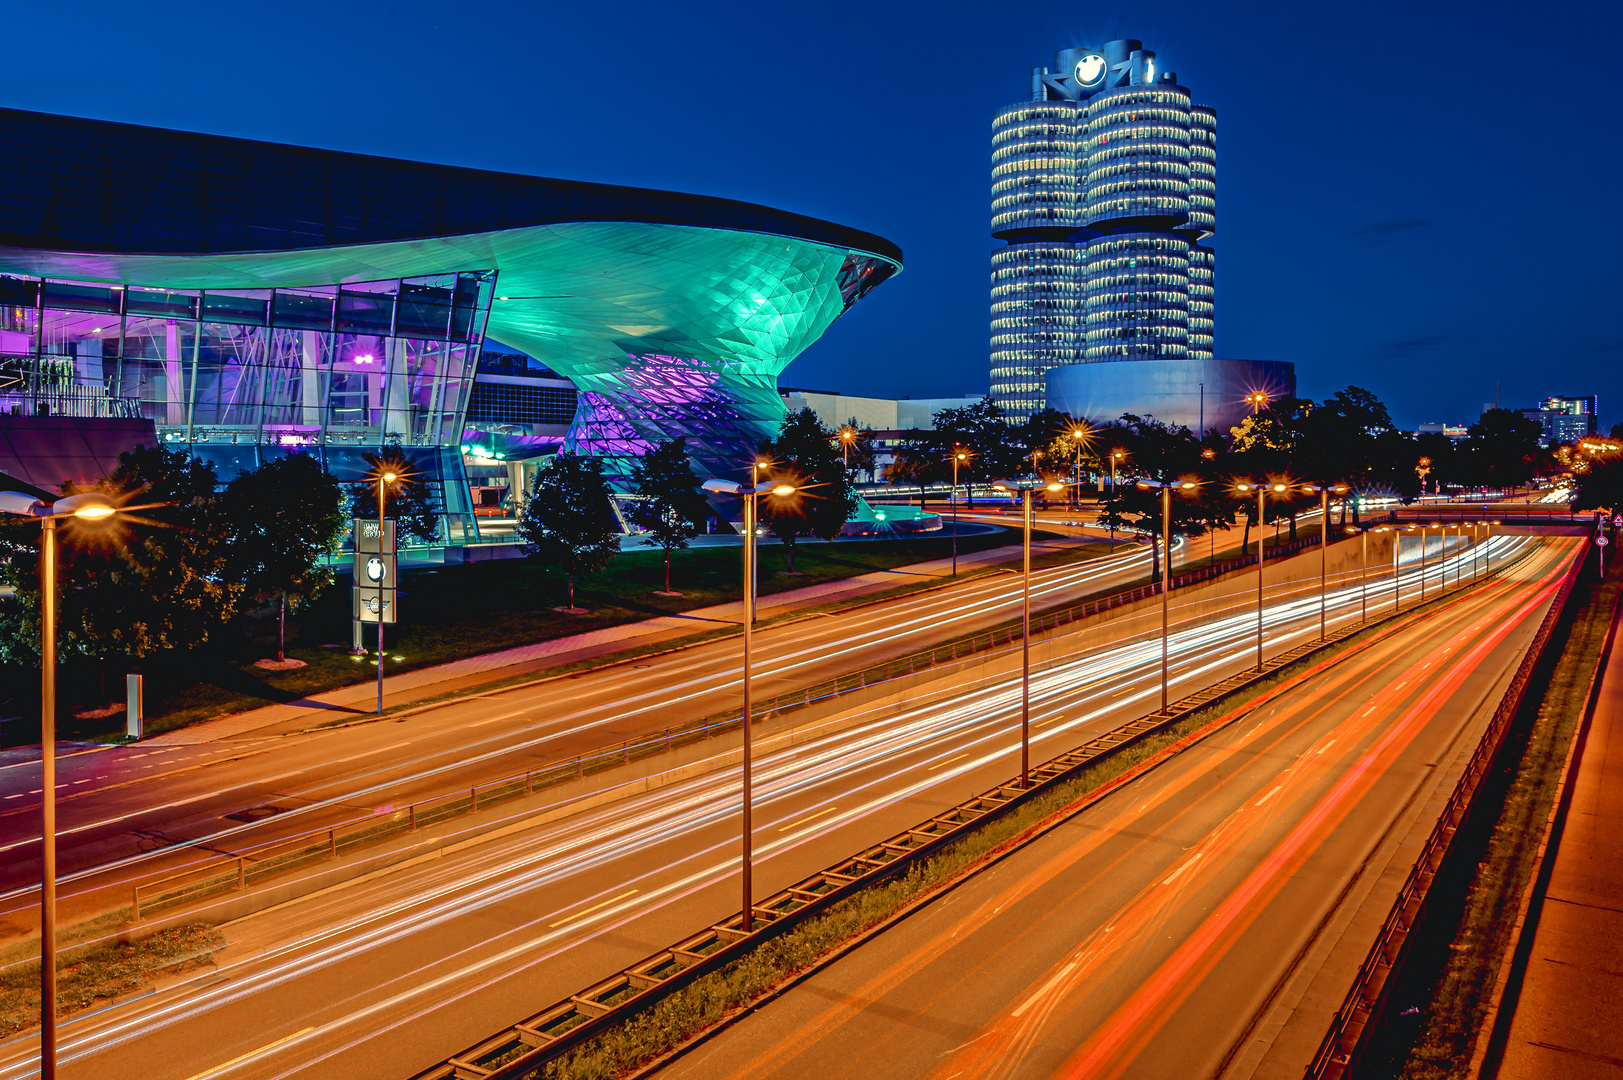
[374, 569]
[1090, 69]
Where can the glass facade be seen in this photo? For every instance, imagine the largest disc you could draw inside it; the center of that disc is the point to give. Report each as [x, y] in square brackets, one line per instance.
[1102, 192]
[241, 375]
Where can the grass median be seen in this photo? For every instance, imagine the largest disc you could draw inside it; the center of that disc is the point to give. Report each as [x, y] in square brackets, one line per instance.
[105, 972]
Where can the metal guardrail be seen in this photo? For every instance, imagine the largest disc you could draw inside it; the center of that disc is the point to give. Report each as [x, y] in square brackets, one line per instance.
[565, 1025]
[236, 870]
[1347, 1037]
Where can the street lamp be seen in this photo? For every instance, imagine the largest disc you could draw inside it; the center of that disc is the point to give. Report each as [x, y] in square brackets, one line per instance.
[1024, 491]
[959, 457]
[388, 477]
[749, 495]
[1262, 516]
[1256, 399]
[1324, 541]
[1080, 434]
[1166, 487]
[91, 506]
[754, 581]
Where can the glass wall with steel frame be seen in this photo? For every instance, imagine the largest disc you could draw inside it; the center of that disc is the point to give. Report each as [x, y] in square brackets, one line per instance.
[242, 375]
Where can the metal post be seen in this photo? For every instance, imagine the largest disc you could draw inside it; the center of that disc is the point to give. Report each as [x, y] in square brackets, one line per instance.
[1363, 577]
[1422, 564]
[380, 604]
[1324, 545]
[1166, 584]
[750, 584]
[955, 513]
[47, 801]
[749, 576]
[1262, 512]
[1112, 502]
[1025, 658]
[1397, 584]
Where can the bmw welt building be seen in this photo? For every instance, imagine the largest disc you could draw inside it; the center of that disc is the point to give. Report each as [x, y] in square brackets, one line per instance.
[250, 299]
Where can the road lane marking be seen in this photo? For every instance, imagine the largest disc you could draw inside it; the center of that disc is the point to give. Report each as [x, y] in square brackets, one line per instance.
[1179, 871]
[1047, 986]
[1327, 746]
[594, 907]
[944, 764]
[1368, 711]
[804, 820]
[1270, 795]
[249, 1054]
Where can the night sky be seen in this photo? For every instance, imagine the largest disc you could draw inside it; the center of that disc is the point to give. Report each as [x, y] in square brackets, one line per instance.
[1421, 199]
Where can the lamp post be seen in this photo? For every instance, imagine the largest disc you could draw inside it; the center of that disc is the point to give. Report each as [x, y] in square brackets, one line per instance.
[1256, 399]
[87, 507]
[1363, 573]
[1262, 516]
[749, 496]
[1324, 544]
[1166, 488]
[1115, 456]
[1024, 491]
[958, 458]
[383, 478]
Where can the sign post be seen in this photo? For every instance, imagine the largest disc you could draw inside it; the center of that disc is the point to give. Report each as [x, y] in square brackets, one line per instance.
[374, 595]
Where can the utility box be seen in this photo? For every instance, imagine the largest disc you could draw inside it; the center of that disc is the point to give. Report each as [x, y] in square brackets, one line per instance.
[134, 707]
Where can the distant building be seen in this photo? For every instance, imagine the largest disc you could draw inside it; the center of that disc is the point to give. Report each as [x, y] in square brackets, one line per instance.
[835, 409]
[1566, 419]
[519, 412]
[1455, 432]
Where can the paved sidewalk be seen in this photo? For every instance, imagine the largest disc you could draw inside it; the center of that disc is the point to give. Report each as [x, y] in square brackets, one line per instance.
[473, 671]
[1568, 1023]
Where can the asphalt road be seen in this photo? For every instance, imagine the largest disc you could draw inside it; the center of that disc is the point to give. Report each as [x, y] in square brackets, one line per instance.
[1148, 935]
[384, 977]
[116, 803]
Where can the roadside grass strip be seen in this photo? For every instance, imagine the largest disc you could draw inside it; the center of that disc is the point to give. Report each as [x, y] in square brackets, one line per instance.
[104, 972]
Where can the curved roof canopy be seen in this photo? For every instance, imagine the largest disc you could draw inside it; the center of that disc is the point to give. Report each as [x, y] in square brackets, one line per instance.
[93, 186]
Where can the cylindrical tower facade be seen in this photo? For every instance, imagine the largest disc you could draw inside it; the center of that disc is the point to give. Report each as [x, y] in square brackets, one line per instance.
[1036, 186]
[1036, 319]
[1202, 301]
[1137, 296]
[1103, 186]
[1138, 156]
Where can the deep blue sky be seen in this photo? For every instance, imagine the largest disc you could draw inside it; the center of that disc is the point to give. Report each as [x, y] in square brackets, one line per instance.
[1420, 199]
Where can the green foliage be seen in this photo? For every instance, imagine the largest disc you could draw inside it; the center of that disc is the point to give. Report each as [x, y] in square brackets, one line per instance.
[804, 455]
[671, 506]
[408, 500]
[155, 578]
[1601, 488]
[285, 515]
[569, 520]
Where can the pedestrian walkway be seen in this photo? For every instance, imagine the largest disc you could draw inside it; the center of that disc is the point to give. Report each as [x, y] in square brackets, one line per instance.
[1568, 1021]
[474, 671]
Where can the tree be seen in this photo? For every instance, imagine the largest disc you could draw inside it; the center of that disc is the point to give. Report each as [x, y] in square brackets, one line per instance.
[1600, 487]
[1501, 449]
[285, 515]
[803, 455]
[569, 519]
[154, 579]
[671, 507]
[1157, 451]
[406, 499]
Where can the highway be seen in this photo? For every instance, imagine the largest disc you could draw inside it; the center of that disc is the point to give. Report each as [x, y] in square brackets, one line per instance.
[119, 802]
[1151, 934]
[384, 977]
